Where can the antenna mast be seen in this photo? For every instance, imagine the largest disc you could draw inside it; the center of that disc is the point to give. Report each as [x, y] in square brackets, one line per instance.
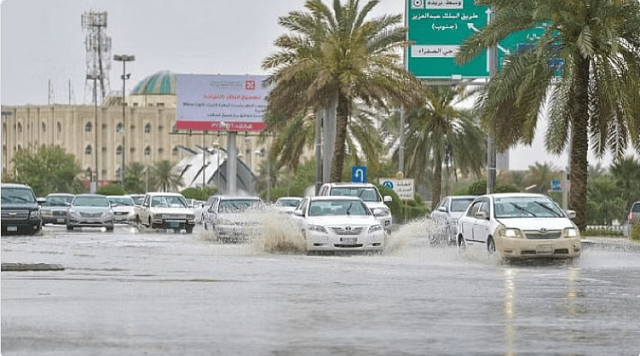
[98, 46]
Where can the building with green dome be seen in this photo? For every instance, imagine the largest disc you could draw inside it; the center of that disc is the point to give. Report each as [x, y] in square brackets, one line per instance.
[150, 137]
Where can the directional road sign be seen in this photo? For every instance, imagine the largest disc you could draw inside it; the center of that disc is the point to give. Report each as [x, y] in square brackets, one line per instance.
[359, 174]
[437, 28]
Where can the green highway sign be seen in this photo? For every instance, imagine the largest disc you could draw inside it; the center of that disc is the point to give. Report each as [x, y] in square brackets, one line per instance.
[438, 27]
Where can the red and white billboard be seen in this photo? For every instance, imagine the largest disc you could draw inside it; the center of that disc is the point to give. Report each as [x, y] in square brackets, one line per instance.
[221, 102]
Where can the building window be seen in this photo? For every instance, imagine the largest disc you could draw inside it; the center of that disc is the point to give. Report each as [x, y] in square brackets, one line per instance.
[147, 128]
[119, 128]
[87, 127]
[175, 151]
[161, 150]
[87, 173]
[44, 127]
[161, 105]
[119, 151]
[19, 128]
[59, 129]
[19, 148]
[135, 105]
[118, 172]
[147, 151]
[87, 150]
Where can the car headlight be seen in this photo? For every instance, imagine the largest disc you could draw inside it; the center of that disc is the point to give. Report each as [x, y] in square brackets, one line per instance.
[107, 214]
[318, 228]
[380, 212]
[156, 216]
[375, 228]
[34, 214]
[571, 232]
[74, 213]
[511, 233]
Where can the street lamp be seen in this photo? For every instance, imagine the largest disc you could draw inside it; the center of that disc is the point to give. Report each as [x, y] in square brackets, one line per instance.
[124, 59]
[94, 178]
[263, 153]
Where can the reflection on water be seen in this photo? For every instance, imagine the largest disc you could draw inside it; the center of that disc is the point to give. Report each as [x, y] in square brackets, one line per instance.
[510, 309]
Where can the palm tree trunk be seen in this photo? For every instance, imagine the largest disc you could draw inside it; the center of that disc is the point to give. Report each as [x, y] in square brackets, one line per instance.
[436, 185]
[342, 118]
[580, 145]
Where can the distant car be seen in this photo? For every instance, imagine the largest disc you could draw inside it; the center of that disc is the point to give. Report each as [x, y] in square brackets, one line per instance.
[54, 210]
[519, 225]
[161, 210]
[123, 208]
[338, 223]
[90, 210]
[368, 193]
[137, 198]
[234, 218]
[445, 217]
[20, 209]
[632, 218]
[205, 207]
[287, 204]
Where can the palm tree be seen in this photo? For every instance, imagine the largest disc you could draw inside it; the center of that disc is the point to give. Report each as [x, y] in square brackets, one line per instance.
[164, 177]
[437, 131]
[540, 175]
[335, 56]
[134, 178]
[593, 91]
[626, 173]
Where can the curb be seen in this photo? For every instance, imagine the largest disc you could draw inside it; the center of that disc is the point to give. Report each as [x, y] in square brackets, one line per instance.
[21, 267]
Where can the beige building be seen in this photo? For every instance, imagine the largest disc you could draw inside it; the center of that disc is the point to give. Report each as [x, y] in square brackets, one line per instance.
[150, 117]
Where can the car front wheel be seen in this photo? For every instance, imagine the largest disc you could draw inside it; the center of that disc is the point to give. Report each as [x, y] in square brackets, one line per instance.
[491, 246]
[462, 245]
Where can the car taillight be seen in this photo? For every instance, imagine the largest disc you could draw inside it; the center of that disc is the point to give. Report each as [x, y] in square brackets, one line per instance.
[630, 217]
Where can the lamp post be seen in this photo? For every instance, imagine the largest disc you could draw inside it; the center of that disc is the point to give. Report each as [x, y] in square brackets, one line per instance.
[124, 59]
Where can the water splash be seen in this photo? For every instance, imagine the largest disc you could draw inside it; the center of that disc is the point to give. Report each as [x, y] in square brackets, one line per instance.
[278, 234]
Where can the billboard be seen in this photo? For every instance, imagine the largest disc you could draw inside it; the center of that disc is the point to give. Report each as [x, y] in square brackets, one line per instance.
[221, 102]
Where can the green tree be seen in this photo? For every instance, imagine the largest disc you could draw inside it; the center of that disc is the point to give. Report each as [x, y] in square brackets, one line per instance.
[48, 170]
[585, 68]
[438, 133]
[134, 178]
[111, 189]
[605, 202]
[163, 177]
[335, 56]
[540, 175]
[626, 173]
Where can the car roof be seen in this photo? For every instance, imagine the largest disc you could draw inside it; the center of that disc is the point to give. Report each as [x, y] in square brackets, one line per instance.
[238, 197]
[350, 184]
[91, 195]
[165, 193]
[118, 196]
[333, 197]
[61, 195]
[462, 196]
[283, 198]
[14, 185]
[516, 195]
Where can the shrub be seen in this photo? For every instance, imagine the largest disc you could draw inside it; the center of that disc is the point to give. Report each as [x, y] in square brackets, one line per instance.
[635, 232]
[194, 193]
[111, 189]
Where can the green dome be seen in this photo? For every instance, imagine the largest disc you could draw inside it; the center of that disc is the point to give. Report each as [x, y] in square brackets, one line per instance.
[163, 82]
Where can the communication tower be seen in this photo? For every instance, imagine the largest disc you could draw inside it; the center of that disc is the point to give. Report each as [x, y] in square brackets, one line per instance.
[98, 46]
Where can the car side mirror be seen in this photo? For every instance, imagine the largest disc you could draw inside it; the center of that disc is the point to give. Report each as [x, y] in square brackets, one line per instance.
[387, 199]
[41, 200]
[571, 214]
[442, 209]
[481, 215]
[298, 213]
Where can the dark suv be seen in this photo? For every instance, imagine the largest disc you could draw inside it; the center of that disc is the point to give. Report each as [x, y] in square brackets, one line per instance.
[20, 209]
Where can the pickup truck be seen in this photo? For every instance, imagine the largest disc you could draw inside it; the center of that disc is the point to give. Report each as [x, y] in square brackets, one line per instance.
[161, 210]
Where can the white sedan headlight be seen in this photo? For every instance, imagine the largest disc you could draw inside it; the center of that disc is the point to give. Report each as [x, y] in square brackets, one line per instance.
[511, 233]
[107, 214]
[74, 213]
[375, 228]
[571, 232]
[156, 216]
[318, 228]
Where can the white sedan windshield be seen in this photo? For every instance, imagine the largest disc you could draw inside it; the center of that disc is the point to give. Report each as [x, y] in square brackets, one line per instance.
[337, 207]
[526, 207]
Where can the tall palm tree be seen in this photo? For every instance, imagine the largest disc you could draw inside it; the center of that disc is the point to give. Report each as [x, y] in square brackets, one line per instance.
[164, 177]
[540, 175]
[335, 56]
[134, 178]
[437, 131]
[594, 92]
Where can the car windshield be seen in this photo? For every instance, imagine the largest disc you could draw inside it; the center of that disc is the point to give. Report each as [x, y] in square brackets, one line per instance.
[460, 204]
[337, 207]
[58, 200]
[237, 205]
[288, 202]
[526, 207]
[137, 200]
[91, 201]
[365, 193]
[17, 195]
[168, 201]
[121, 201]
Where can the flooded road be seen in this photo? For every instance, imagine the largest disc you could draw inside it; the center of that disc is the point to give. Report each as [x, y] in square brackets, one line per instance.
[136, 292]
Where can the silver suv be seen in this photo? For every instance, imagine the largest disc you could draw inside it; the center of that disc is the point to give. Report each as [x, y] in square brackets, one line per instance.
[368, 193]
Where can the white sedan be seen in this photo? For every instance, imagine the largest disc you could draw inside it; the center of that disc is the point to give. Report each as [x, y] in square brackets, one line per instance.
[335, 223]
[519, 225]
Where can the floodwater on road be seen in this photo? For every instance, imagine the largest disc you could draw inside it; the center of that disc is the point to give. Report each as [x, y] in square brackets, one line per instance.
[136, 292]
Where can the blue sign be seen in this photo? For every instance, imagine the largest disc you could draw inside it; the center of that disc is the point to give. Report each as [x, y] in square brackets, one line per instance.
[556, 185]
[359, 174]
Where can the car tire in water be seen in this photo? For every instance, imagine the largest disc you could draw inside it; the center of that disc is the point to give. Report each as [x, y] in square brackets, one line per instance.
[110, 228]
[69, 228]
[491, 246]
[189, 229]
[462, 245]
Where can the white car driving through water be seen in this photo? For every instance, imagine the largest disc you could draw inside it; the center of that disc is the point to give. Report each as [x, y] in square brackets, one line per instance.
[337, 223]
[519, 225]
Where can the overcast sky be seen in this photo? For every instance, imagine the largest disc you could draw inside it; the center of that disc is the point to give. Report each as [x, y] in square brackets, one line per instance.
[42, 41]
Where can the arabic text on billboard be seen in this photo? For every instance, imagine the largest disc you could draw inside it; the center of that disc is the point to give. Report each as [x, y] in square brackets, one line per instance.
[221, 102]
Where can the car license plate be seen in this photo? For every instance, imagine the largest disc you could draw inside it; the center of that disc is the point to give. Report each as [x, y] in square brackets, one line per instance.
[12, 228]
[60, 220]
[174, 224]
[349, 240]
[546, 248]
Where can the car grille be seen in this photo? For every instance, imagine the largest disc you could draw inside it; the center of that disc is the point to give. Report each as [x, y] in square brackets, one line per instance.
[174, 216]
[59, 213]
[537, 235]
[120, 213]
[15, 214]
[347, 231]
[91, 215]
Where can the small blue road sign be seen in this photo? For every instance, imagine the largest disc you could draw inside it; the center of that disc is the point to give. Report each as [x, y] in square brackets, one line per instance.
[556, 185]
[388, 184]
[359, 174]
